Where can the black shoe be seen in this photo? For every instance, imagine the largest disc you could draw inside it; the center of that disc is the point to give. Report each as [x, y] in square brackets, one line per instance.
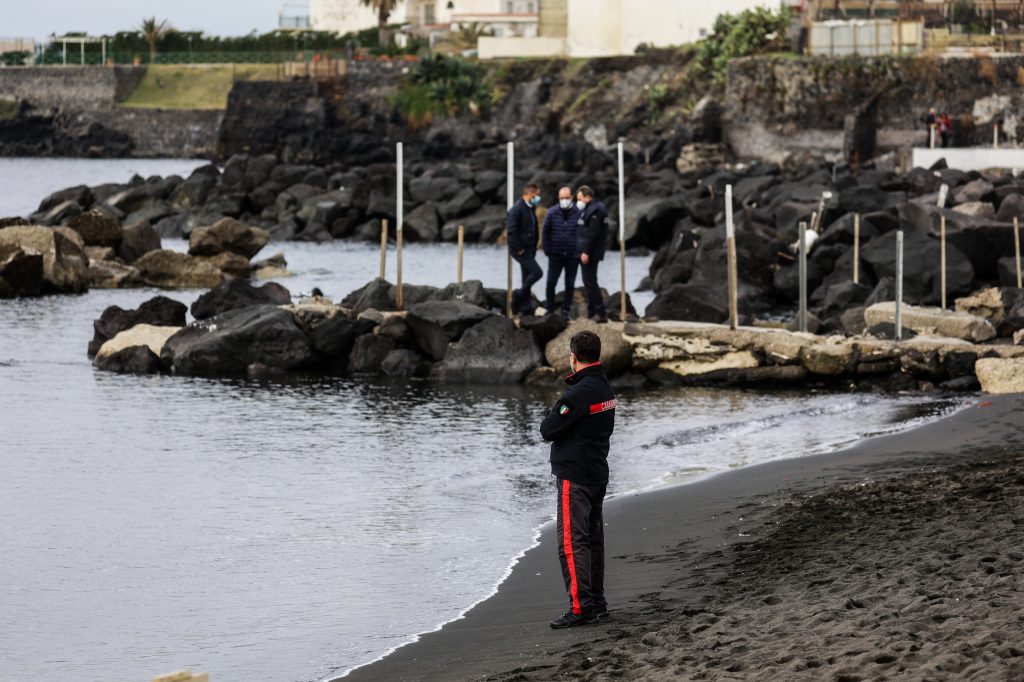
[601, 612]
[565, 316]
[600, 319]
[572, 620]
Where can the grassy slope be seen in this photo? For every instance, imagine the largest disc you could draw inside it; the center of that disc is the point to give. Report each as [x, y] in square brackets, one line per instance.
[177, 86]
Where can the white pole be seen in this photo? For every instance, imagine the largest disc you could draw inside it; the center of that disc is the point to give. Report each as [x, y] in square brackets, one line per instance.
[511, 173]
[622, 238]
[730, 240]
[943, 193]
[511, 177]
[899, 284]
[400, 218]
[802, 318]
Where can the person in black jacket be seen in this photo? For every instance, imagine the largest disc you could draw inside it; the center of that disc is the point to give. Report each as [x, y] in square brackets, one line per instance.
[559, 239]
[579, 427]
[522, 243]
[593, 240]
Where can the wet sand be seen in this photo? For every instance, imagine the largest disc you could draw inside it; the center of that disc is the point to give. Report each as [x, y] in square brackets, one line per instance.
[900, 557]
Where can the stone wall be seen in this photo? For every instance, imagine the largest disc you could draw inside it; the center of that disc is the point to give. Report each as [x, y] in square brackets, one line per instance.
[70, 87]
[170, 133]
[780, 108]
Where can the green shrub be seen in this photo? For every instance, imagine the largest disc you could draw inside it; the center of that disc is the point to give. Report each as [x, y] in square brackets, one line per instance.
[15, 58]
[444, 85]
[8, 109]
[752, 31]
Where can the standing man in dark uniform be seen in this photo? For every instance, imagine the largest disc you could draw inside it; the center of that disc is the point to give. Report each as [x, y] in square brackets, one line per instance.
[579, 427]
[593, 240]
[559, 239]
[522, 244]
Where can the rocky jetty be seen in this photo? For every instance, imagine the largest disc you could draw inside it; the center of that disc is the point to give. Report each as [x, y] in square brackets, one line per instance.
[457, 334]
[81, 238]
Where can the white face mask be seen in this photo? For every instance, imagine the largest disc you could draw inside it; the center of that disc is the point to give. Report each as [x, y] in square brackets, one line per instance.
[581, 206]
[565, 203]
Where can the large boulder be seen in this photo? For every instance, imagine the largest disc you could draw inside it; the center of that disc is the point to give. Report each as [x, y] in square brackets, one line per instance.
[65, 265]
[491, 352]
[227, 235]
[130, 360]
[172, 270]
[112, 274]
[97, 228]
[422, 224]
[463, 203]
[21, 271]
[921, 276]
[932, 321]
[80, 194]
[376, 295]
[138, 240]
[369, 353]
[238, 293]
[159, 311]
[403, 362]
[151, 336]
[690, 302]
[616, 352]
[1000, 375]
[229, 343]
[435, 324]
[334, 338]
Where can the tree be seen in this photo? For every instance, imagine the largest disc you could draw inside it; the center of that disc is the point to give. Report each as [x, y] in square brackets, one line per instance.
[154, 31]
[384, 9]
[467, 37]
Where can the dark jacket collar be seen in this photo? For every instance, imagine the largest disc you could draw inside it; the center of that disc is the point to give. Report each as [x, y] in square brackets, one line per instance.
[585, 372]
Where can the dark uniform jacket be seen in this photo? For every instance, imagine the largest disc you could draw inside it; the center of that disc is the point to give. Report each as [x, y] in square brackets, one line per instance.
[522, 228]
[579, 426]
[592, 235]
[559, 231]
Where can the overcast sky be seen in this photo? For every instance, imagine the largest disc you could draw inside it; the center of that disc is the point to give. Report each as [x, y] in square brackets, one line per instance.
[40, 18]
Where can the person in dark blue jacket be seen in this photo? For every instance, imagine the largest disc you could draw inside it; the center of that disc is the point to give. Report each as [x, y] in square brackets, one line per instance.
[559, 239]
[592, 240]
[522, 244]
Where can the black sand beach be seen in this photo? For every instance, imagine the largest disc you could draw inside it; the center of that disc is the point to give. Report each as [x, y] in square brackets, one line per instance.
[899, 557]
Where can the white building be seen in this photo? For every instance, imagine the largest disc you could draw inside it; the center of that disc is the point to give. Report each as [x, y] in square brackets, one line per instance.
[345, 16]
[600, 28]
[504, 18]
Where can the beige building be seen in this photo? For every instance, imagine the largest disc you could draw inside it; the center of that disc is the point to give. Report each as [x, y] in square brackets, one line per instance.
[599, 28]
[504, 18]
[345, 16]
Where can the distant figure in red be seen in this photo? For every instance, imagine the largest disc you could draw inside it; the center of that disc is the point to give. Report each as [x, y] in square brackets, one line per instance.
[945, 128]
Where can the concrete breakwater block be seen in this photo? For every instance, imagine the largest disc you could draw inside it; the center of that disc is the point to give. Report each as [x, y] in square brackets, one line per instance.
[933, 321]
[1000, 375]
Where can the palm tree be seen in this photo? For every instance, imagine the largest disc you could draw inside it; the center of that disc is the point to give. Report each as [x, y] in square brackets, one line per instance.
[384, 9]
[467, 37]
[154, 31]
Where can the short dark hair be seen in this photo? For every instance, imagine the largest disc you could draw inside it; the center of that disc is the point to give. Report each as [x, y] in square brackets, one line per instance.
[586, 346]
[586, 191]
[532, 187]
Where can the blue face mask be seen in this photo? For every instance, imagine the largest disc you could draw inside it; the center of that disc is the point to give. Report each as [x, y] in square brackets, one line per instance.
[534, 201]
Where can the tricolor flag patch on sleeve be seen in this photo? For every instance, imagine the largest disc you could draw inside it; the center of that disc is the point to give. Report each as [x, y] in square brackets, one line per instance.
[563, 410]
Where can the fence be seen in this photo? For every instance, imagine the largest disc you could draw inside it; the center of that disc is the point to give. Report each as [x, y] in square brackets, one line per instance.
[94, 57]
[865, 38]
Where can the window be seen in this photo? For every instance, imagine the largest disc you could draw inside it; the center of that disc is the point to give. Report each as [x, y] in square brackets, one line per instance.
[530, 9]
[509, 7]
[451, 5]
[428, 13]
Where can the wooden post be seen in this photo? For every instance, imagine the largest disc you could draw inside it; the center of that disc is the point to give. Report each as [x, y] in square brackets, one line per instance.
[1016, 246]
[730, 237]
[931, 136]
[383, 246]
[899, 285]
[511, 196]
[802, 314]
[995, 134]
[459, 272]
[622, 239]
[856, 248]
[942, 257]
